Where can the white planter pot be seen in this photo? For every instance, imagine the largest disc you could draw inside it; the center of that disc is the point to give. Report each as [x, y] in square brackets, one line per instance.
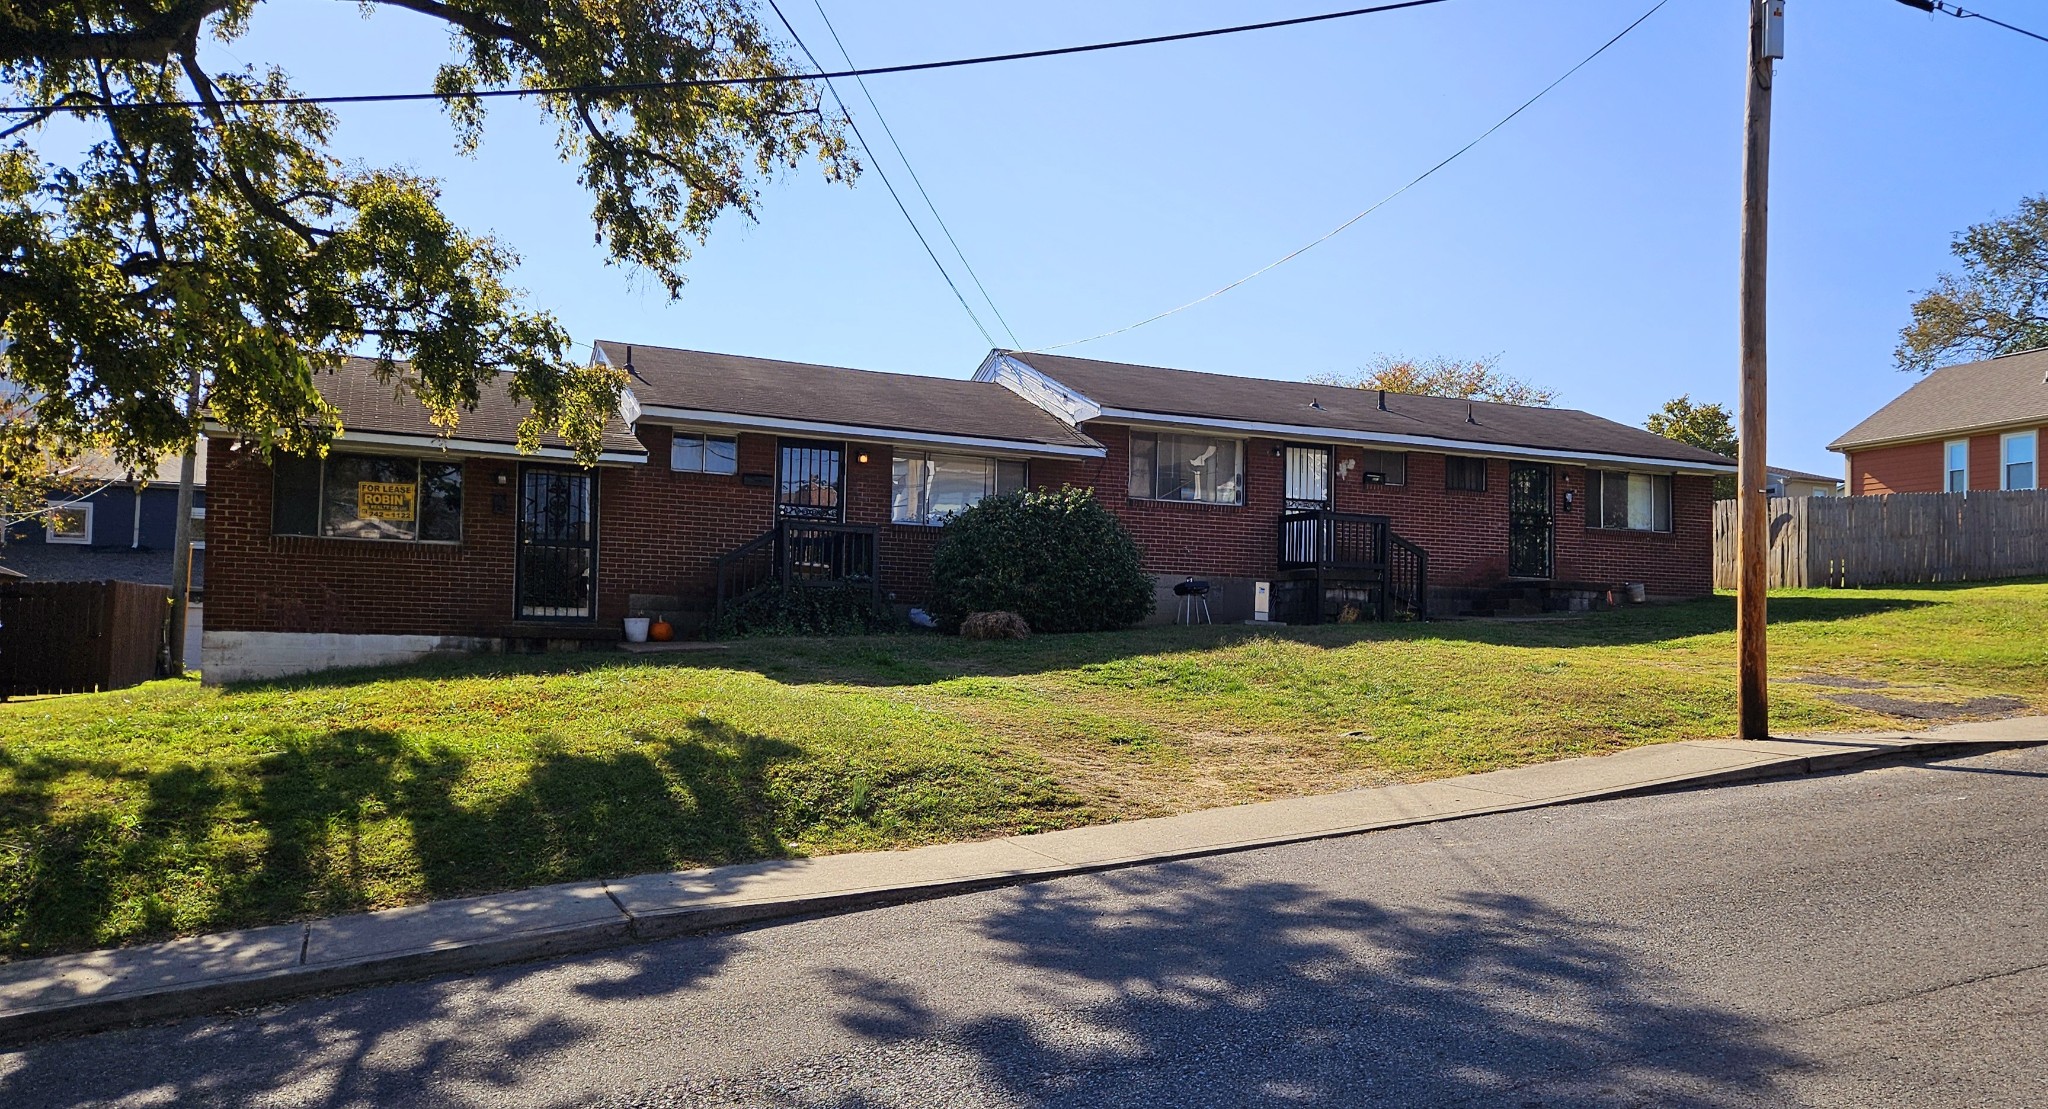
[636, 628]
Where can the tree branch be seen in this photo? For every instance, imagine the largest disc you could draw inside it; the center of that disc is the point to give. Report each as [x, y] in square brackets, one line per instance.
[475, 23]
[257, 199]
[150, 40]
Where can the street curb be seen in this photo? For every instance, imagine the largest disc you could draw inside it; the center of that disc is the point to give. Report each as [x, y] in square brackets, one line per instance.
[245, 990]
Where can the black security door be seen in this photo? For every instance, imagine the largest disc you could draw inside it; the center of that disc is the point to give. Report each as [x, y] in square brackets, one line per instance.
[812, 482]
[557, 571]
[1529, 520]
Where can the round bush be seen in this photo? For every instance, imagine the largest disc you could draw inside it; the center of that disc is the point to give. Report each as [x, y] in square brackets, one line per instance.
[1058, 559]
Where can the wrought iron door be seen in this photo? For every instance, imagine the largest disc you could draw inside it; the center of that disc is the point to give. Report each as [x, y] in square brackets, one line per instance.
[557, 570]
[812, 481]
[1307, 489]
[1530, 525]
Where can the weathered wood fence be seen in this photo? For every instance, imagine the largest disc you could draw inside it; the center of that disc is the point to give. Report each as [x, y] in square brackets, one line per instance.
[79, 636]
[1895, 538]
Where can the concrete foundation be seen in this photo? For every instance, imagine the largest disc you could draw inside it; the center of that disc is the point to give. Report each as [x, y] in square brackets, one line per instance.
[228, 656]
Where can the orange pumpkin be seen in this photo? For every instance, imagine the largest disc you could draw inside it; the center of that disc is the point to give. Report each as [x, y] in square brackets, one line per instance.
[661, 631]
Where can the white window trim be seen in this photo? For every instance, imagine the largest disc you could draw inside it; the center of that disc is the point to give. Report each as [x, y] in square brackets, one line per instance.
[50, 532]
[1593, 517]
[199, 513]
[2004, 457]
[1947, 470]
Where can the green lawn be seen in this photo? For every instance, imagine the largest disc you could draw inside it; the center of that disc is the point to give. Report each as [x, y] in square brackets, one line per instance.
[173, 808]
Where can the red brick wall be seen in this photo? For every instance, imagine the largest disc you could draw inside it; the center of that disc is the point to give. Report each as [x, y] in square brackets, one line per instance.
[661, 533]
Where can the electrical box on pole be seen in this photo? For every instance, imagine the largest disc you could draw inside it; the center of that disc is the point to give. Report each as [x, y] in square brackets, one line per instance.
[1774, 30]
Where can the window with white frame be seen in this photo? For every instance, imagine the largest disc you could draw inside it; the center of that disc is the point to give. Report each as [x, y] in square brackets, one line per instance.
[198, 527]
[1197, 468]
[1619, 501]
[927, 488]
[698, 453]
[1956, 456]
[2018, 450]
[70, 522]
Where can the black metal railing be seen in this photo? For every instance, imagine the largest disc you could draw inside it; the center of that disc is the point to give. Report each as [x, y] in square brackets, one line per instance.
[801, 552]
[1322, 539]
[1347, 566]
[1408, 576]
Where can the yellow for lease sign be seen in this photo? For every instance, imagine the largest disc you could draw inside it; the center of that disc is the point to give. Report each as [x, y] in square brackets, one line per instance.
[385, 500]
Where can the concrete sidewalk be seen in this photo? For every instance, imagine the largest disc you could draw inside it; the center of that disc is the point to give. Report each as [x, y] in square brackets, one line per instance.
[98, 989]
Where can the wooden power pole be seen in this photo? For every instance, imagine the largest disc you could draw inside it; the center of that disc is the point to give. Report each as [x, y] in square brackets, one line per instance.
[1752, 695]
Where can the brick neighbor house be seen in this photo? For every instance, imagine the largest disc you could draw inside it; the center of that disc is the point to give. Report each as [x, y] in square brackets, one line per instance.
[1961, 428]
[1295, 502]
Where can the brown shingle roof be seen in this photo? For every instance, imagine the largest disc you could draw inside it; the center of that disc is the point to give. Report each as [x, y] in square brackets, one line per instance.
[1994, 393]
[1169, 392]
[765, 387]
[390, 408]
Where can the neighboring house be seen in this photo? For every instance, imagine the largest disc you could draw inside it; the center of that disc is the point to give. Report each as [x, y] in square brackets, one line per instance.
[1797, 483]
[1974, 426]
[110, 525]
[403, 541]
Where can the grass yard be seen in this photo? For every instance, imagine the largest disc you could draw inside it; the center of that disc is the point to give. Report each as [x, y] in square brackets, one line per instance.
[174, 808]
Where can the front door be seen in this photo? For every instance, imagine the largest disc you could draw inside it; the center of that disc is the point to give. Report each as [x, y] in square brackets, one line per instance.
[1308, 478]
[1529, 520]
[1307, 489]
[811, 484]
[557, 569]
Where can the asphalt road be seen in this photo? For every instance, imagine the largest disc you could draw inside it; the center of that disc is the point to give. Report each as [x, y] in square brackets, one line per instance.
[1867, 939]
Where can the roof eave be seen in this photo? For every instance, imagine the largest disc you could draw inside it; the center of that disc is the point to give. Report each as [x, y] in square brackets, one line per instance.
[393, 441]
[1428, 442]
[741, 421]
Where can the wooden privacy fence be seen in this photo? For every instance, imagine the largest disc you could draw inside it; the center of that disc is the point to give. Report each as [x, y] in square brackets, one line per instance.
[1894, 538]
[79, 636]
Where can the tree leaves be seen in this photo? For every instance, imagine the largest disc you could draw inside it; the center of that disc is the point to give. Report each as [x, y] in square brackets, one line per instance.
[226, 241]
[1997, 305]
[1707, 426]
[1479, 379]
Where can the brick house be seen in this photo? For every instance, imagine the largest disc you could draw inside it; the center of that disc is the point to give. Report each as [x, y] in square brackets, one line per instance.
[1961, 428]
[404, 542]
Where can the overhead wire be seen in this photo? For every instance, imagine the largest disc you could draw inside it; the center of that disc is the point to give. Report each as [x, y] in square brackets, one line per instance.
[886, 183]
[626, 87]
[1376, 205]
[1959, 13]
[890, 132]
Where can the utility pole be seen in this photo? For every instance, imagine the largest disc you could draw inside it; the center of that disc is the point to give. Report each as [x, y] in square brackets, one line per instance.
[181, 542]
[1752, 540]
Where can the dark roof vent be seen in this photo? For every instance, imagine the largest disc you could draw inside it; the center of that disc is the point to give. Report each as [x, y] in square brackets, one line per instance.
[1383, 400]
[1315, 404]
[1468, 413]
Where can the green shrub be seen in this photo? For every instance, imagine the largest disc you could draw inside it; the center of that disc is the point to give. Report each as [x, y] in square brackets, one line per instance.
[1058, 559]
[804, 610]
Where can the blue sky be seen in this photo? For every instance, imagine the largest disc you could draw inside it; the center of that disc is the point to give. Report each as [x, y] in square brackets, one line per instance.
[1592, 243]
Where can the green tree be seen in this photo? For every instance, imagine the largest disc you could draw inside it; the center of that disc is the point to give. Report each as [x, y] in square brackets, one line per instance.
[1479, 379]
[216, 256]
[1707, 426]
[1997, 305]
[1057, 558]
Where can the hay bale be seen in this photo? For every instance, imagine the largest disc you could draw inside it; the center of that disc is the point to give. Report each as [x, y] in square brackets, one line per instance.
[994, 625]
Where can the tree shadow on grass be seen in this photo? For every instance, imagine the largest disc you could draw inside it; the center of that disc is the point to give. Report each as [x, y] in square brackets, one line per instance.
[358, 818]
[1175, 985]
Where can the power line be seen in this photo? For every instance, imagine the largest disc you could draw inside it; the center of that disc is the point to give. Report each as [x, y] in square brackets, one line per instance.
[1959, 13]
[886, 183]
[1377, 205]
[618, 88]
[914, 178]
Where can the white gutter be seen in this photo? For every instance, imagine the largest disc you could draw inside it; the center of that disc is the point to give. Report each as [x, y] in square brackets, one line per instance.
[1429, 442]
[470, 447]
[699, 417]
